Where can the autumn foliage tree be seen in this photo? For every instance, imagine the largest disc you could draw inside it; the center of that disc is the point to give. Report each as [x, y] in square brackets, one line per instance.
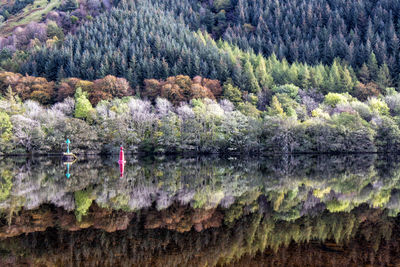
[364, 91]
[181, 88]
[213, 85]
[67, 88]
[109, 87]
[28, 87]
[100, 89]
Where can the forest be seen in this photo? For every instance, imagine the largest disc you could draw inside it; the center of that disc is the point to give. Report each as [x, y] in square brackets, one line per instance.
[224, 76]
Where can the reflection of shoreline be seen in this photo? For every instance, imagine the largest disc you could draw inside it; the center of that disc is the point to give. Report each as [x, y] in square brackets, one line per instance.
[212, 210]
[177, 218]
[293, 186]
[152, 238]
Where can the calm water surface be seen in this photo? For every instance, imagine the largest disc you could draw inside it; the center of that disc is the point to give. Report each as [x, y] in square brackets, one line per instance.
[276, 211]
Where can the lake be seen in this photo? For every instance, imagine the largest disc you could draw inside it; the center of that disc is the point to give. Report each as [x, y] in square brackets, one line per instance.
[298, 210]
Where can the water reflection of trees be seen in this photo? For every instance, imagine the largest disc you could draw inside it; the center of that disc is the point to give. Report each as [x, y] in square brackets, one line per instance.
[363, 236]
[292, 185]
[201, 211]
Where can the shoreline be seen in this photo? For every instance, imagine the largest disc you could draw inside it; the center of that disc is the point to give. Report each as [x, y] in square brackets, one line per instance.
[141, 154]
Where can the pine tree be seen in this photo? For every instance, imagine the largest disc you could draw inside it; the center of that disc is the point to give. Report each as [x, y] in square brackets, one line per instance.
[237, 75]
[250, 78]
[265, 26]
[232, 93]
[394, 43]
[346, 82]
[61, 74]
[304, 77]
[373, 67]
[363, 74]
[276, 108]
[265, 79]
[293, 75]
[384, 80]
[14, 100]
[334, 78]
[317, 77]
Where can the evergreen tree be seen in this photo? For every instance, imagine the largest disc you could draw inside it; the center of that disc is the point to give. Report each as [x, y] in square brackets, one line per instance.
[384, 80]
[5, 129]
[373, 67]
[276, 108]
[250, 79]
[232, 93]
[346, 82]
[317, 77]
[237, 75]
[169, 45]
[363, 74]
[265, 79]
[334, 78]
[304, 77]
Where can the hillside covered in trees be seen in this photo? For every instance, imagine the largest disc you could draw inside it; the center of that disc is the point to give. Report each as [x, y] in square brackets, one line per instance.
[267, 76]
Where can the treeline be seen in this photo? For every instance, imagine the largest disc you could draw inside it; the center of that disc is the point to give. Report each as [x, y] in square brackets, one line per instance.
[294, 122]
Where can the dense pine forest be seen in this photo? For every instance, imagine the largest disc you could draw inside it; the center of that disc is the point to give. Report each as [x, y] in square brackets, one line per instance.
[266, 76]
[157, 39]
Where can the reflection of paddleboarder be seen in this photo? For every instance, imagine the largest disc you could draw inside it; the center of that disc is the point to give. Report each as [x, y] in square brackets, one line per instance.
[68, 158]
[121, 161]
[68, 174]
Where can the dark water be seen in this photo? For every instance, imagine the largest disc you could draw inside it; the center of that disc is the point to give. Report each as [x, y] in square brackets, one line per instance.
[276, 211]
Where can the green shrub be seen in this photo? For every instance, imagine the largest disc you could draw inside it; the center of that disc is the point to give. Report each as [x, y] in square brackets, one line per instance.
[288, 89]
[332, 99]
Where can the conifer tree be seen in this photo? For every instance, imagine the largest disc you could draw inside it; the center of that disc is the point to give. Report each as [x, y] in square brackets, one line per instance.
[384, 80]
[363, 74]
[265, 79]
[232, 93]
[5, 127]
[304, 77]
[346, 82]
[373, 67]
[334, 78]
[250, 79]
[276, 108]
